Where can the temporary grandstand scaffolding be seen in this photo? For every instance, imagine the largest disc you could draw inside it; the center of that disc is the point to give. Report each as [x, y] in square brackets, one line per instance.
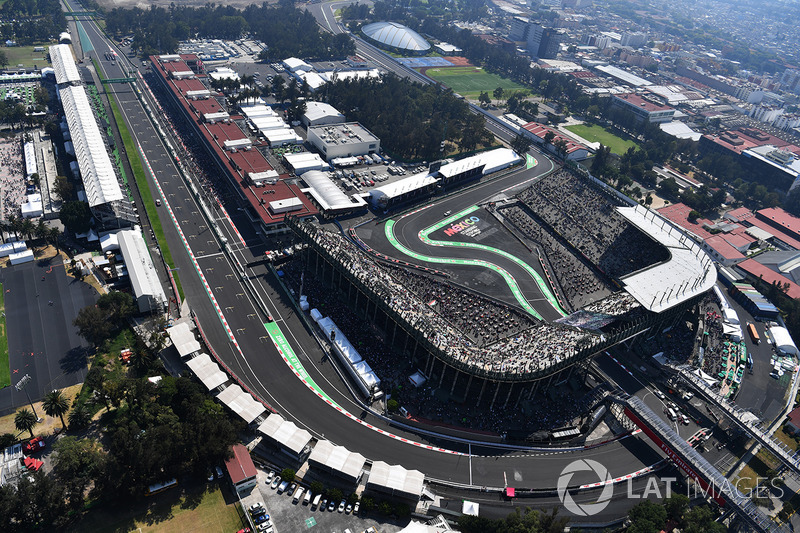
[64, 64]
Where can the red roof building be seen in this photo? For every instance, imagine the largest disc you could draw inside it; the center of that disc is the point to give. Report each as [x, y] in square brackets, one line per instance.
[759, 271]
[241, 469]
[722, 251]
[780, 220]
[679, 214]
[574, 151]
[793, 421]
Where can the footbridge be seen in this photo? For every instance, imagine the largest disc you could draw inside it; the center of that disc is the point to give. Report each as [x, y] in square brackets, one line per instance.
[712, 482]
[744, 419]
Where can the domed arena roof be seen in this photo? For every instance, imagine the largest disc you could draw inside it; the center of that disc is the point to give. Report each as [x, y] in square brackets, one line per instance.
[396, 35]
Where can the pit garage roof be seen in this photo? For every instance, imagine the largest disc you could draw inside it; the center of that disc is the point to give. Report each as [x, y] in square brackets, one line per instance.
[64, 64]
[327, 194]
[142, 272]
[687, 273]
[97, 172]
[285, 433]
[207, 371]
[241, 403]
[338, 459]
[396, 480]
[401, 187]
[183, 339]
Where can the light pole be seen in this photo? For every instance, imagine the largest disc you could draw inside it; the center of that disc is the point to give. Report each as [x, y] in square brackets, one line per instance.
[20, 386]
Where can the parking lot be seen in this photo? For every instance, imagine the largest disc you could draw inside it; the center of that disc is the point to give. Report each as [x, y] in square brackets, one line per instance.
[285, 516]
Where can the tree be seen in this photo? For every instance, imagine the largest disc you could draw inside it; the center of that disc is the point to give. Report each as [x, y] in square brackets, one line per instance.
[484, 99]
[118, 305]
[693, 216]
[549, 136]
[63, 188]
[56, 404]
[93, 325]
[521, 144]
[77, 457]
[3, 59]
[76, 216]
[79, 417]
[25, 420]
[392, 405]
[647, 517]
[287, 474]
[676, 505]
[316, 487]
[498, 94]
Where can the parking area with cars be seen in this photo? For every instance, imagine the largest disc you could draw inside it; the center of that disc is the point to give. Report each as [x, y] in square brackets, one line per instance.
[290, 507]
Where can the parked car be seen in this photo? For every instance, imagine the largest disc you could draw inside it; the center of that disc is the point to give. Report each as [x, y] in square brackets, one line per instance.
[348, 509]
[356, 507]
[341, 506]
[323, 504]
[34, 445]
[660, 395]
[332, 506]
[270, 477]
[275, 482]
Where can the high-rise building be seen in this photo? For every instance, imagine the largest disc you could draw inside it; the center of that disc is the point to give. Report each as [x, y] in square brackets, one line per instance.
[633, 39]
[519, 29]
[543, 43]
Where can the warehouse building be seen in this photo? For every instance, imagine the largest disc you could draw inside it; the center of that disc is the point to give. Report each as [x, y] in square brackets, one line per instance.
[147, 290]
[343, 140]
[320, 113]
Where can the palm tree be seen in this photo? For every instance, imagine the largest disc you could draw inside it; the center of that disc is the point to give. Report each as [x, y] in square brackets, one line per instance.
[24, 420]
[55, 404]
[80, 416]
[14, 224]
[53, 235]
[27, 227]
[41, 230]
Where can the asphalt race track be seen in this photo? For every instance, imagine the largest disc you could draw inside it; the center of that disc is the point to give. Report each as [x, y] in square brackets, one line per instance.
[250, 354]
[42, 341]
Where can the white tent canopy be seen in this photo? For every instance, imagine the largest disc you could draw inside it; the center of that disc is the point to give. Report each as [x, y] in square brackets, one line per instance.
[64, 64]
[97, 172]
[783, 341]
[396, 480]
[338, 459]
[241, 403]
[417, 379]
[285, 433]
[207, 371]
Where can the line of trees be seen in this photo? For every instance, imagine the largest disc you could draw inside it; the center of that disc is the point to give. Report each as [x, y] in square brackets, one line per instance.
[151, 433]
[285, 30]
[31, 21]
[411, 119]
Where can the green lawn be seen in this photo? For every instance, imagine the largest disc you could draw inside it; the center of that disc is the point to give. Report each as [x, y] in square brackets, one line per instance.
[470, 81]
[595, 133]
[144, 191]
[168, 512]
[25, 56]
[5, 370]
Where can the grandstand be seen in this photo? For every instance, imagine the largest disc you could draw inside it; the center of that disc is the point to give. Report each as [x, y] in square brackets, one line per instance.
[622, 270]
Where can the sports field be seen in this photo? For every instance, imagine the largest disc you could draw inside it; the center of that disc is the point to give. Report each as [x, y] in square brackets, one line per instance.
[25, 56]
[596, 134]
[470, 81]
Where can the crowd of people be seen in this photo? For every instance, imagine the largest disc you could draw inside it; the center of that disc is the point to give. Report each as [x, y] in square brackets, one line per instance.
[12, 178]
[618, 304]
[579, 283]
[528, 351]
[585, 216]
[558, 407]
[481, 319]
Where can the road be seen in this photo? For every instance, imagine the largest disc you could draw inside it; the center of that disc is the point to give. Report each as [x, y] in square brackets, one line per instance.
[259, 366]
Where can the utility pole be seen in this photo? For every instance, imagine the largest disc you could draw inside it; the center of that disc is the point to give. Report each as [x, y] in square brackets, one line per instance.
[20, 386]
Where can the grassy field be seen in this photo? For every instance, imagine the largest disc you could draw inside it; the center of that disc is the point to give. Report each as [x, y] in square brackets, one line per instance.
[144, 190]
[595, 133]
[168, 512]
[25, 56]
[5, 370]
[470, 81]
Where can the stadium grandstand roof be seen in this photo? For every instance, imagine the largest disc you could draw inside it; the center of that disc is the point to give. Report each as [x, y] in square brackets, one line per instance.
[64, 64]
[97, 172]
[688, 272]
[396, 36]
